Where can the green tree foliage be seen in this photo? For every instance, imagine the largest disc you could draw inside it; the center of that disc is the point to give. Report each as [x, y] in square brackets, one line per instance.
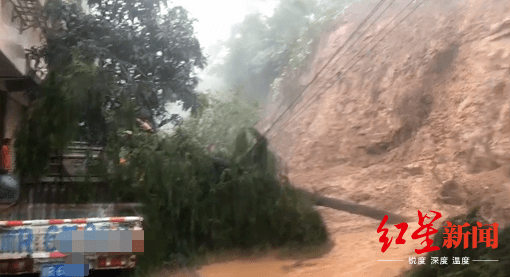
[192, 207]
[51, 122]
[143, 52]
[261, 47]
[126, 59]
[501, 253]
[223, 116]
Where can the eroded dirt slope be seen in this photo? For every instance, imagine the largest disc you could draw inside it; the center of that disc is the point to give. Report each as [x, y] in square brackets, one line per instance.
[433, 94]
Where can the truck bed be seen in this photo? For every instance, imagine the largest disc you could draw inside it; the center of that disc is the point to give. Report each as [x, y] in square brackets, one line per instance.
[27, 245]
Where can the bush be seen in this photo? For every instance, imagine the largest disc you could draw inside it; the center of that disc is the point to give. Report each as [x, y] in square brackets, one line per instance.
[191, 206]
[224, 114]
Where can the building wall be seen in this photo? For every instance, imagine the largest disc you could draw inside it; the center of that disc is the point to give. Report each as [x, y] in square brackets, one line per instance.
[13, 62]
[12, 43]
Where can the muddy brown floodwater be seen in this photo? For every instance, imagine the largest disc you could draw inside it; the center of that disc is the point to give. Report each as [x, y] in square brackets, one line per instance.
[356, 252]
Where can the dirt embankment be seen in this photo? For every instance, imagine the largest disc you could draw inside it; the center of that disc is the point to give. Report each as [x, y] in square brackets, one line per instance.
[433, 94]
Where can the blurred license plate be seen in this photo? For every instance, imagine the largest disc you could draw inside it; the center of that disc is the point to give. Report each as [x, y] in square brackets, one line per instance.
[53, 270]
[65, 270]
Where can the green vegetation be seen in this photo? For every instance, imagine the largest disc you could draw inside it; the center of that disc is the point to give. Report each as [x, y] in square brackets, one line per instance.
[126, 59]
[305, 45]
[52, 120]
[302, 48]
[124, 62]
[501, 253]
[192, 207]
[223, 116]
[263, 48]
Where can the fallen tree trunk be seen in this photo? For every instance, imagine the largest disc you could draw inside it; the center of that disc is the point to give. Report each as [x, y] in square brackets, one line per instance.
[338, 204]
[354, 208]
[258, 154]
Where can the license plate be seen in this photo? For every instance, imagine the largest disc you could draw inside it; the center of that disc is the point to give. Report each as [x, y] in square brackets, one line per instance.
[52, 270]
[64, 270]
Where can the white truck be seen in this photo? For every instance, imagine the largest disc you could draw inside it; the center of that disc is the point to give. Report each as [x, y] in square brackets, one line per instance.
[33, 214]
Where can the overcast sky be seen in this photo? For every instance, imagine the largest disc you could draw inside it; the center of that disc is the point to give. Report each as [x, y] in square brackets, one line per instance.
[215, 20]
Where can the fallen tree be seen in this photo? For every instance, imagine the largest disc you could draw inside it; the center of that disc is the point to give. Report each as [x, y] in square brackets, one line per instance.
[355, 208]
[194, 203]
[258, 154]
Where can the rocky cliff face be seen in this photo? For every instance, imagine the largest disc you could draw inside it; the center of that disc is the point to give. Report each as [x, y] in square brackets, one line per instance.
[428, 107]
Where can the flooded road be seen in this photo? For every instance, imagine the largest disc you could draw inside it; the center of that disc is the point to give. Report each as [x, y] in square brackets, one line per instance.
[356, 251]
[353, 255]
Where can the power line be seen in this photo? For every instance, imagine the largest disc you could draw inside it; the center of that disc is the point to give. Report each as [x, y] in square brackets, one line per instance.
[322, 69]
[336, 53]
[379, 33]
[393, 1]
[322, 91]
[350, 37]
